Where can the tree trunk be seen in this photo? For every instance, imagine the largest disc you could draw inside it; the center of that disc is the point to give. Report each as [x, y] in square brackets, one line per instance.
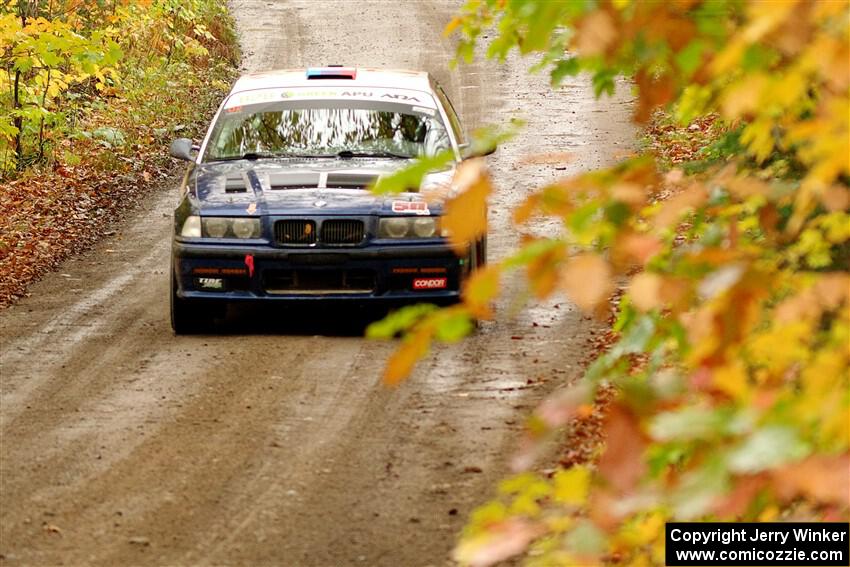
[19, 123]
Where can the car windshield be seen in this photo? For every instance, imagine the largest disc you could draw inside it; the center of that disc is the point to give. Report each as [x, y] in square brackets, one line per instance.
[327, 128]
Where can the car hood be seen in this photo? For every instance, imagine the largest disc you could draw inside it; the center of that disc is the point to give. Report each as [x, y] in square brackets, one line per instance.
[304, 187]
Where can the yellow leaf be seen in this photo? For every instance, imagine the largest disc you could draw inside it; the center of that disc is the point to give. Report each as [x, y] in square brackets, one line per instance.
[732, 379]
[758, 137]
[452, 26]
[571, 486]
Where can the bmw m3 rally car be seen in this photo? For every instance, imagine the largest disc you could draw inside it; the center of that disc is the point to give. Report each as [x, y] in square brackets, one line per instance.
[275, 206]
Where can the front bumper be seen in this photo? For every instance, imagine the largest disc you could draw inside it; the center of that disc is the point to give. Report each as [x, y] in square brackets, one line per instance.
[391, 274]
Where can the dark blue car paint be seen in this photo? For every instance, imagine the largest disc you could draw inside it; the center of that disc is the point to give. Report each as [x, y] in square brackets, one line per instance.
[311, 189]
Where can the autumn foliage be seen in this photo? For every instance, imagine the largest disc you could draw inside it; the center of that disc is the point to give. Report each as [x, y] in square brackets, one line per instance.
[90, 95]
[730, 364]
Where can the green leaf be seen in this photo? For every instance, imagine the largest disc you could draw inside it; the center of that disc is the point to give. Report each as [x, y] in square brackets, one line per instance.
[454, 327]
[695, 423]
[689, 58]
[563, 69]
[767, 448]
[112, 136]
[603, 82]
[399, 321]
[410, 178]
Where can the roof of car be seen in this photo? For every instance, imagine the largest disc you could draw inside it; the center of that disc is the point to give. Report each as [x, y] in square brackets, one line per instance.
[363, 77]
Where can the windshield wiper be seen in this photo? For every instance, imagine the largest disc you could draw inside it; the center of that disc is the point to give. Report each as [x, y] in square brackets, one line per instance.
[248, 155]
[251, 156]
[345, 154]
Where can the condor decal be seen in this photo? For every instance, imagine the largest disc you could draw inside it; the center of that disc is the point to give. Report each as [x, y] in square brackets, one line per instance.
[416, 207]
[430, 283]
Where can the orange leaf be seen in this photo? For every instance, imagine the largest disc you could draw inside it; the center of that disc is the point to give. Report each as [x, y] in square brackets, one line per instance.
[821, 478]
[691, 198]
[524, 211]
[645, 291]
[587, 280]
[639, 248]
[557, 158]
[543, 271]
[414, 347]
[596, 32]
[465, 215]
[622, 462]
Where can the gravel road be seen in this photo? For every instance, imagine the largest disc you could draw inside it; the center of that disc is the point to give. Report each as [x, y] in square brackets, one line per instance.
[275, 443]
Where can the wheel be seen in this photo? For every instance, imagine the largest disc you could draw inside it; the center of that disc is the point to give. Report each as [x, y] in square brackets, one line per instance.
[187, 317]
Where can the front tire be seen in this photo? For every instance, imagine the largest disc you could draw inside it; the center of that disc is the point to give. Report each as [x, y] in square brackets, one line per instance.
[482, 252]
[187, 317]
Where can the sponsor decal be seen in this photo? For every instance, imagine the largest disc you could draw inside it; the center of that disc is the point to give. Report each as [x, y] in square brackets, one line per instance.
[238, 101]
[419, 270]
[430, 283]
[211, 283]
[399, 96]
[219, 272]
[417, 207]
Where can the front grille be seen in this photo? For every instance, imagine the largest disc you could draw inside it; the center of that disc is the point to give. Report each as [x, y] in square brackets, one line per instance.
[342, 231]
[295, 231]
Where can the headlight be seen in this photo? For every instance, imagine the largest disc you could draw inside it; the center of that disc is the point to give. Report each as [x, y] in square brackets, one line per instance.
[215, 228]
[424, 227]
[191, 227]
[220, 227]
[246, 228]
[409, 227]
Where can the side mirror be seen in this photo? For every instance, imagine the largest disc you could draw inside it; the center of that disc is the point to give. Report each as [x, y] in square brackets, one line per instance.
[468, 151]
[181, 148]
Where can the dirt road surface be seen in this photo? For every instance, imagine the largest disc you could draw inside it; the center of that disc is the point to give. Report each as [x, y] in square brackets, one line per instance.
[274, 443]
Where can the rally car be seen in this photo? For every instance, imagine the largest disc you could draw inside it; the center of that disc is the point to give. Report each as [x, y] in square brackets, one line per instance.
[275, 206]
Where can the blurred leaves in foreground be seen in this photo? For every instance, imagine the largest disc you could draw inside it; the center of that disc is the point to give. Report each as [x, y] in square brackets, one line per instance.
[731, 363]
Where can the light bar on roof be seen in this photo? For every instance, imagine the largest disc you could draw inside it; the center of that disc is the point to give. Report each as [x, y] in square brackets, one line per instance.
[331, 73]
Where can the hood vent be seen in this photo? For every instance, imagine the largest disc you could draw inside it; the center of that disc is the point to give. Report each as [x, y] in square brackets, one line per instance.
[350, 181]
[293, 180]
[235, 185]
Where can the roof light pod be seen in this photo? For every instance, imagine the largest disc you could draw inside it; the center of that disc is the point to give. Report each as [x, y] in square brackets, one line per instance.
[332, 72]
